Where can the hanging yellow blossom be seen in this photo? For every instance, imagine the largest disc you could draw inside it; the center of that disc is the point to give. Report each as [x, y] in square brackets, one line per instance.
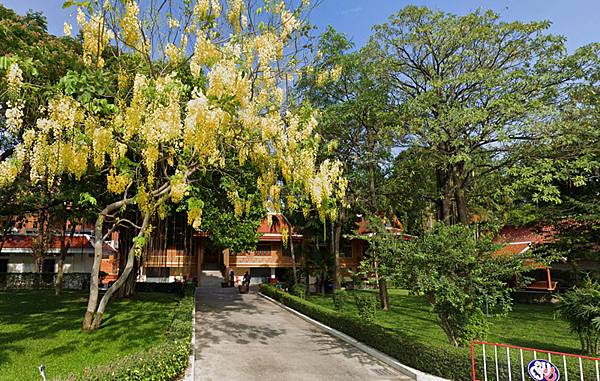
[129, 23]
[67, 29]
[117, 182]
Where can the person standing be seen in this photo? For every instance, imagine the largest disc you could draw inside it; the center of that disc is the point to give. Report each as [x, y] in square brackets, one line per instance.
[231, 279]
[246, 280]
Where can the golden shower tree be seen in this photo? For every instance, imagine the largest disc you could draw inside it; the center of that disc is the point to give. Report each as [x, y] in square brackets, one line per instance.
[194, 84]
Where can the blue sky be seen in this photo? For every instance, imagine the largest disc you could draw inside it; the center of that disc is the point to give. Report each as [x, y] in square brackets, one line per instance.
[578, 20]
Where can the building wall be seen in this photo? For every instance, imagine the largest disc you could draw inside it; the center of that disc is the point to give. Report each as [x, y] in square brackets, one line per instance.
[20, 263]
[24, 263]
[274, 259]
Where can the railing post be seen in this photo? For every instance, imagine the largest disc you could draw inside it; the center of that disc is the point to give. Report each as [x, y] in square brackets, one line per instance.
[473, 359]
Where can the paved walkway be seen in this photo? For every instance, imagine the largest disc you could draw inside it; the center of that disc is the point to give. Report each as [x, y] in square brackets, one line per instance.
[246, 338]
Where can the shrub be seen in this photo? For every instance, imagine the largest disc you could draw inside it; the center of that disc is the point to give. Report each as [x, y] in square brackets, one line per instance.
[164, 362]
[299, 290]
[447, 362]
[580, 307]
[339, 298]
[366, 306]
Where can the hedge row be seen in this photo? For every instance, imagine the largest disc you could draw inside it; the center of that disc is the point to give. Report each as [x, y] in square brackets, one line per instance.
[164, 362]
[446, 362]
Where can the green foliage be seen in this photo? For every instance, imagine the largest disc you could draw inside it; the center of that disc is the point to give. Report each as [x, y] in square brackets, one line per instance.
[339, 298]
[450, 363]
[471, 91]
[164, 362]
[92, 88]
[458, 273]
[298, 290]
[367, 306]
[580, 307]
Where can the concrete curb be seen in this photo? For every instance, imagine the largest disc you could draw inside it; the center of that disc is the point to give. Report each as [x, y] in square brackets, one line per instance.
[392, 362]
[190, 371]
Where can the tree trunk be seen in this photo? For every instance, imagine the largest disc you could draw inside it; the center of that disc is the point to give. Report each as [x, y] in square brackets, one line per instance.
[336, 234]
[40, 244]
[128, 288]
[64, 249]
[384, 297]
[294, 271]
[448, 330]
[122, 278]
[459, 193]
[95, 274]
[125, 243]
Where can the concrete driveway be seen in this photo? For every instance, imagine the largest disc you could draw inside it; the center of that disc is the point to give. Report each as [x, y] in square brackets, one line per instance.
[246, 337]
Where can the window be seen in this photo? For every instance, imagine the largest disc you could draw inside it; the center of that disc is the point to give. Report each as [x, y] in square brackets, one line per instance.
[3, 265]
[264, 250]
[48, 265]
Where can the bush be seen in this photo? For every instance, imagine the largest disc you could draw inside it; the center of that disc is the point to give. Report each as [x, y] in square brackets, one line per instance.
[339, 297]
[299, 290]
[447, 362]
[170, 288]
[580, 307]
[366, 306]
[165, 362]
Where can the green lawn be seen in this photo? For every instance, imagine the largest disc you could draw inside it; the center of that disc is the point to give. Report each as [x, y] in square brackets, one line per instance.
[37, 327]
[527, 325]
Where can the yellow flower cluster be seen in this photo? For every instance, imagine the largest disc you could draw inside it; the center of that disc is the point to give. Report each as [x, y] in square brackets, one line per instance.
[178, 188]
[129, 24]
[15, 105]
[96, 37]
[225, 80]
[203, 9]
[14, 116]
[10, 169]
[67, 29]
[173, 23]
[194, 217]
[289, 24]
[269, 47]
[102, 143]
[173, 53]
[14, 78]
[117, 182]
[235, 15]
[205, 54]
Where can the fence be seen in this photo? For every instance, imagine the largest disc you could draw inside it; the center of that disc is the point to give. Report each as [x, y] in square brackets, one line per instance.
[37, 281]
[495, 362]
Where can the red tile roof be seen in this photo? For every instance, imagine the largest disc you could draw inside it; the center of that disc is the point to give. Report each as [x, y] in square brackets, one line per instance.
[25, 242]
[512, 249]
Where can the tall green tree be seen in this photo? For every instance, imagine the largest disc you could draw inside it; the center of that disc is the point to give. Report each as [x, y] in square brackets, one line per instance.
[474, 93]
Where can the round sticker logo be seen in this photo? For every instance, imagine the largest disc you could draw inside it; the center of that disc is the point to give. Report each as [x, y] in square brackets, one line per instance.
[543, 370]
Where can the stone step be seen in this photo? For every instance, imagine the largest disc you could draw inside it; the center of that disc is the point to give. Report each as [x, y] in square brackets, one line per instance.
[211, 278]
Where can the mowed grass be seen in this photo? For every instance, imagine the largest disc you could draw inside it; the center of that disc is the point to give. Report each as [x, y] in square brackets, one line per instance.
[37, 327]
[527, 325]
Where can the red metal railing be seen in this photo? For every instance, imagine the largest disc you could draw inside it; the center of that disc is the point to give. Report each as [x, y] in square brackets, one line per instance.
[515, 361]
